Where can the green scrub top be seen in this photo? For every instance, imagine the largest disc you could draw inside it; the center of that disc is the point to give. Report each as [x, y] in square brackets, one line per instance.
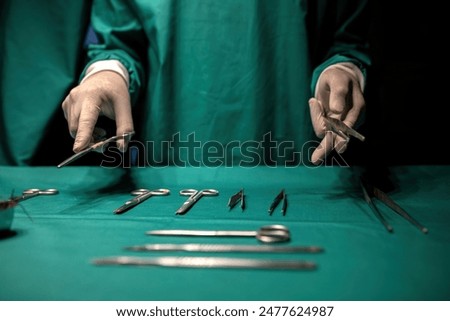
[221, 82]
[41, 49]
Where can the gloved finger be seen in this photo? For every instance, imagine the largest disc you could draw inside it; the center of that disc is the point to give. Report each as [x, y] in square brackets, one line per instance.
[86, 123]
[324, 148]
[317, 113]
[340, 144]
[338, 99]
[124, 121]
[353, 117]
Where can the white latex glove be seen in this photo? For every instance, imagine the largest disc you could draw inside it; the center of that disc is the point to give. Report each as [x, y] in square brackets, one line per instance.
[338, 95]
[103, 93]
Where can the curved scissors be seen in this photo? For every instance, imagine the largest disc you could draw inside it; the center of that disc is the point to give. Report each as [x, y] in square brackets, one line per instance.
[194, 196]
[141, 195]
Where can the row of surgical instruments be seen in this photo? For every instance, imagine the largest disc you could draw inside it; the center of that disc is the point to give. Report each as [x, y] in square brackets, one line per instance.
[144, 194]
[370, 192]
[265, 234]
[140, 195]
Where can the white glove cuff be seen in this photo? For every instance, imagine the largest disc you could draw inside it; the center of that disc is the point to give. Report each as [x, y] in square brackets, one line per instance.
[347, 67]
[111, 65]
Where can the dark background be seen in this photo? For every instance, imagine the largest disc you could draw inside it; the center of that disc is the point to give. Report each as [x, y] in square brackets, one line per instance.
[405, 121]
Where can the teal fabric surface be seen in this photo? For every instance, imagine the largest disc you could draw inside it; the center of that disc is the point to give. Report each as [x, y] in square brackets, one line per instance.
[49, 258]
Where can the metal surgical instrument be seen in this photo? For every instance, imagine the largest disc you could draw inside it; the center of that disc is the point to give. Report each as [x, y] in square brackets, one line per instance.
[98, 145]
[280, 197]
[221, 248]
[194, 196]
[6, 207]
[27, 194]
[207, 262]
[33, 192]
[371, 191]
[265, 234]
[142, 194]
[239, 197]
[340, 128]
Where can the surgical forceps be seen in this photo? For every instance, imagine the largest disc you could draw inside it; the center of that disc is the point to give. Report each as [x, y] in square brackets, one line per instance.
[280, 197]
[98, 145]
[340, 128]
[266, 234]
[371, 192]
[142, 194]
[194, 196]
[239, 197]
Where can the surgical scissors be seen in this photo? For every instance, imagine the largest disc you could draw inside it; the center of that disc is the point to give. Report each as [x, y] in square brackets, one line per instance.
[194, 196]
[267, 234]
[142, 194]
[33, 192]
[98, 145]
[371, 191]
[27, 194]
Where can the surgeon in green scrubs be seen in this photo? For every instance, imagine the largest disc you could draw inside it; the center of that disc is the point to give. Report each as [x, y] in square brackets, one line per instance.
[223, 82]
[41, 57]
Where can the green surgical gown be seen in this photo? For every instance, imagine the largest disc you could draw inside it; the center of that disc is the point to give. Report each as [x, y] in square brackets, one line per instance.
[221, 82]
[212, 82]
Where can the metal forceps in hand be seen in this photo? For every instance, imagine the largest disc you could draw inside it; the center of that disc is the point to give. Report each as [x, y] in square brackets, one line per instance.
[96, 146]
[371, 192]
[340, 128]
[194, 196]
[142, 194]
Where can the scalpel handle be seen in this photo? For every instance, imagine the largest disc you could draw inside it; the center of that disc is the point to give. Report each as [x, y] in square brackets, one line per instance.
[207, 262]
[221, 248]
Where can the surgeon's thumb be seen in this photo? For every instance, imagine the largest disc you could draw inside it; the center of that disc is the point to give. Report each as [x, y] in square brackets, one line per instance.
[317, 113]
